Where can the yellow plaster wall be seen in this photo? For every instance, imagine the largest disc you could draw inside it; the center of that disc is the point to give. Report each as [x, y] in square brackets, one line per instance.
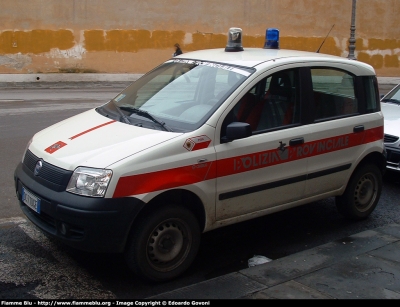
[133, 36]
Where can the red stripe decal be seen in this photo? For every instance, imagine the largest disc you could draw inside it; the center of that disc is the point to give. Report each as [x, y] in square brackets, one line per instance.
[174, 178]
[91, 129]
[166, 179]
[245, 163]
[55, 147]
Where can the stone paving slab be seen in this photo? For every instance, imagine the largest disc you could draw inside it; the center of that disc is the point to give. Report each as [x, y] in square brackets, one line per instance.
[360, 277]
[362, 266]
[230, 286]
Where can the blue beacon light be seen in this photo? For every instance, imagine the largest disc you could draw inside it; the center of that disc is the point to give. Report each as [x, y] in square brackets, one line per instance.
[271, 39]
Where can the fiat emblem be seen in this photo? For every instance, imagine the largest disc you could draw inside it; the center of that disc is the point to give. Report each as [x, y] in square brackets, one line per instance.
[38, 167]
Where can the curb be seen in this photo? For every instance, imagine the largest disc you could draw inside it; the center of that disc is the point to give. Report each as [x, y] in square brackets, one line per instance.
[69, 80]
[69, 77]
[93, 80]
[90, 77]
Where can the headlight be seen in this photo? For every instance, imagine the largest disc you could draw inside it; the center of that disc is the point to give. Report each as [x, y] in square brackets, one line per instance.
[89, 181]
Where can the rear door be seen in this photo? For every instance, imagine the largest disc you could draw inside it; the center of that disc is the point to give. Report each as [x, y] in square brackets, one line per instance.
[342, 126]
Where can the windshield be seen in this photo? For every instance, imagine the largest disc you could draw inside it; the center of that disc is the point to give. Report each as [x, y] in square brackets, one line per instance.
[179, 95]
[393, 96]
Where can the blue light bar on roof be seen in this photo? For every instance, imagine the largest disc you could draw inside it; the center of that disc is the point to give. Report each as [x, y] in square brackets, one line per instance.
[271, 38]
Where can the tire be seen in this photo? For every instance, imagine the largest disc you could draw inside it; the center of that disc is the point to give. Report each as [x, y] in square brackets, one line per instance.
[362, 193]
[163, 244]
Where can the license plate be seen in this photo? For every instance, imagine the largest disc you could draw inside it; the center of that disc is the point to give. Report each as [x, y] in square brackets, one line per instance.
[32, 201]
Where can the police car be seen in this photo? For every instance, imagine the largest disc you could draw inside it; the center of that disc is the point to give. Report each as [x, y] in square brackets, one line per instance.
[207, 139]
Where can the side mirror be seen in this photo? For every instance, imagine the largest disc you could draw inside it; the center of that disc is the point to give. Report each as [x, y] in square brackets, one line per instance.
[237, 130]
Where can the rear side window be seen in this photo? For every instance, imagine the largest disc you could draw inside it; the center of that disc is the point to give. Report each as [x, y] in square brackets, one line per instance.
[334, 93]
[371, 94]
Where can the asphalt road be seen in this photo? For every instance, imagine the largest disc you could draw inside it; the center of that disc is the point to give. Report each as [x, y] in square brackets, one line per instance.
[24, 112]
[33, 266]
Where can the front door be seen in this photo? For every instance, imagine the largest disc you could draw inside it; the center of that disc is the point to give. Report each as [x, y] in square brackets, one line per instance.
[264, 170]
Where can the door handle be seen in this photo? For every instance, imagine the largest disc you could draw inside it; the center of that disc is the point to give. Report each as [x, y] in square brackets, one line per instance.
[296, 141]
[358, 128]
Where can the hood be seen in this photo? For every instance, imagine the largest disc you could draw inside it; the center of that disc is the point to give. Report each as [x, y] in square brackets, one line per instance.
[391, 113]
[90, 139]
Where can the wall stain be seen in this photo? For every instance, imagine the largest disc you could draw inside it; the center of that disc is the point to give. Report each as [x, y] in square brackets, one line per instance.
[206, 41]
[134, 40]
[35, 41]
[310, 44]
[379, 61]
[382, 44]
[391, 61]
[131, 41]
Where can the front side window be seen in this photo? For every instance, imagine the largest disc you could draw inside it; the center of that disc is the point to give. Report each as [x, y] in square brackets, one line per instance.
[179, 95]
[334, 93]
[273, 103]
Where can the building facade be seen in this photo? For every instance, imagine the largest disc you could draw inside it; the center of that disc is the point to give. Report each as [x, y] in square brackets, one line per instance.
[133, 36]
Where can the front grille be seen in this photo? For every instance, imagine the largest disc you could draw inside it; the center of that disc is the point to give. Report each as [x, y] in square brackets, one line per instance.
[48, 172]
[390, 138]
[393, 157]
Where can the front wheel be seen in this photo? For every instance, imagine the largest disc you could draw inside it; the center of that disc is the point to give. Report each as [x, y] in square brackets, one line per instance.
[362, 193]
[163, 244]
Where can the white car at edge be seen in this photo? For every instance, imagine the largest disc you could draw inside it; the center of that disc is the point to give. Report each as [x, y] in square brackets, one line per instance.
[390, 104]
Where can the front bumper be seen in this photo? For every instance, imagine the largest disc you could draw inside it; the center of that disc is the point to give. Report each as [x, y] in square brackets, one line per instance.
[393, 158]
[86, 223]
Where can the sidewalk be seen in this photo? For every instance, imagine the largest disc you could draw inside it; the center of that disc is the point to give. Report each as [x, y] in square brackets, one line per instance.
[67, 80]
[363, 266]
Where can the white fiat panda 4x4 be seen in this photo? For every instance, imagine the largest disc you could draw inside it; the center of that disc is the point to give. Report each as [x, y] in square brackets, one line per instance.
[207, 139]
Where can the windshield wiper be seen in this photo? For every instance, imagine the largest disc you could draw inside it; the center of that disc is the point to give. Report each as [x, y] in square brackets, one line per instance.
[124, 117]
[391, 100]
[144, 114]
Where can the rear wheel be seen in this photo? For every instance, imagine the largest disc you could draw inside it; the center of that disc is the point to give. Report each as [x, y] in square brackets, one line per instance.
[163, 243]
[362, 193]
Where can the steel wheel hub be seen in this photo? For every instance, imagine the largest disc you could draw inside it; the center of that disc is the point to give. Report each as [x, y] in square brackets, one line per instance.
[165, 243]
[365, 192]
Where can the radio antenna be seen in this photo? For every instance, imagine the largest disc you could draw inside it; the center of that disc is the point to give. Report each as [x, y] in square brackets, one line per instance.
[325, 38]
